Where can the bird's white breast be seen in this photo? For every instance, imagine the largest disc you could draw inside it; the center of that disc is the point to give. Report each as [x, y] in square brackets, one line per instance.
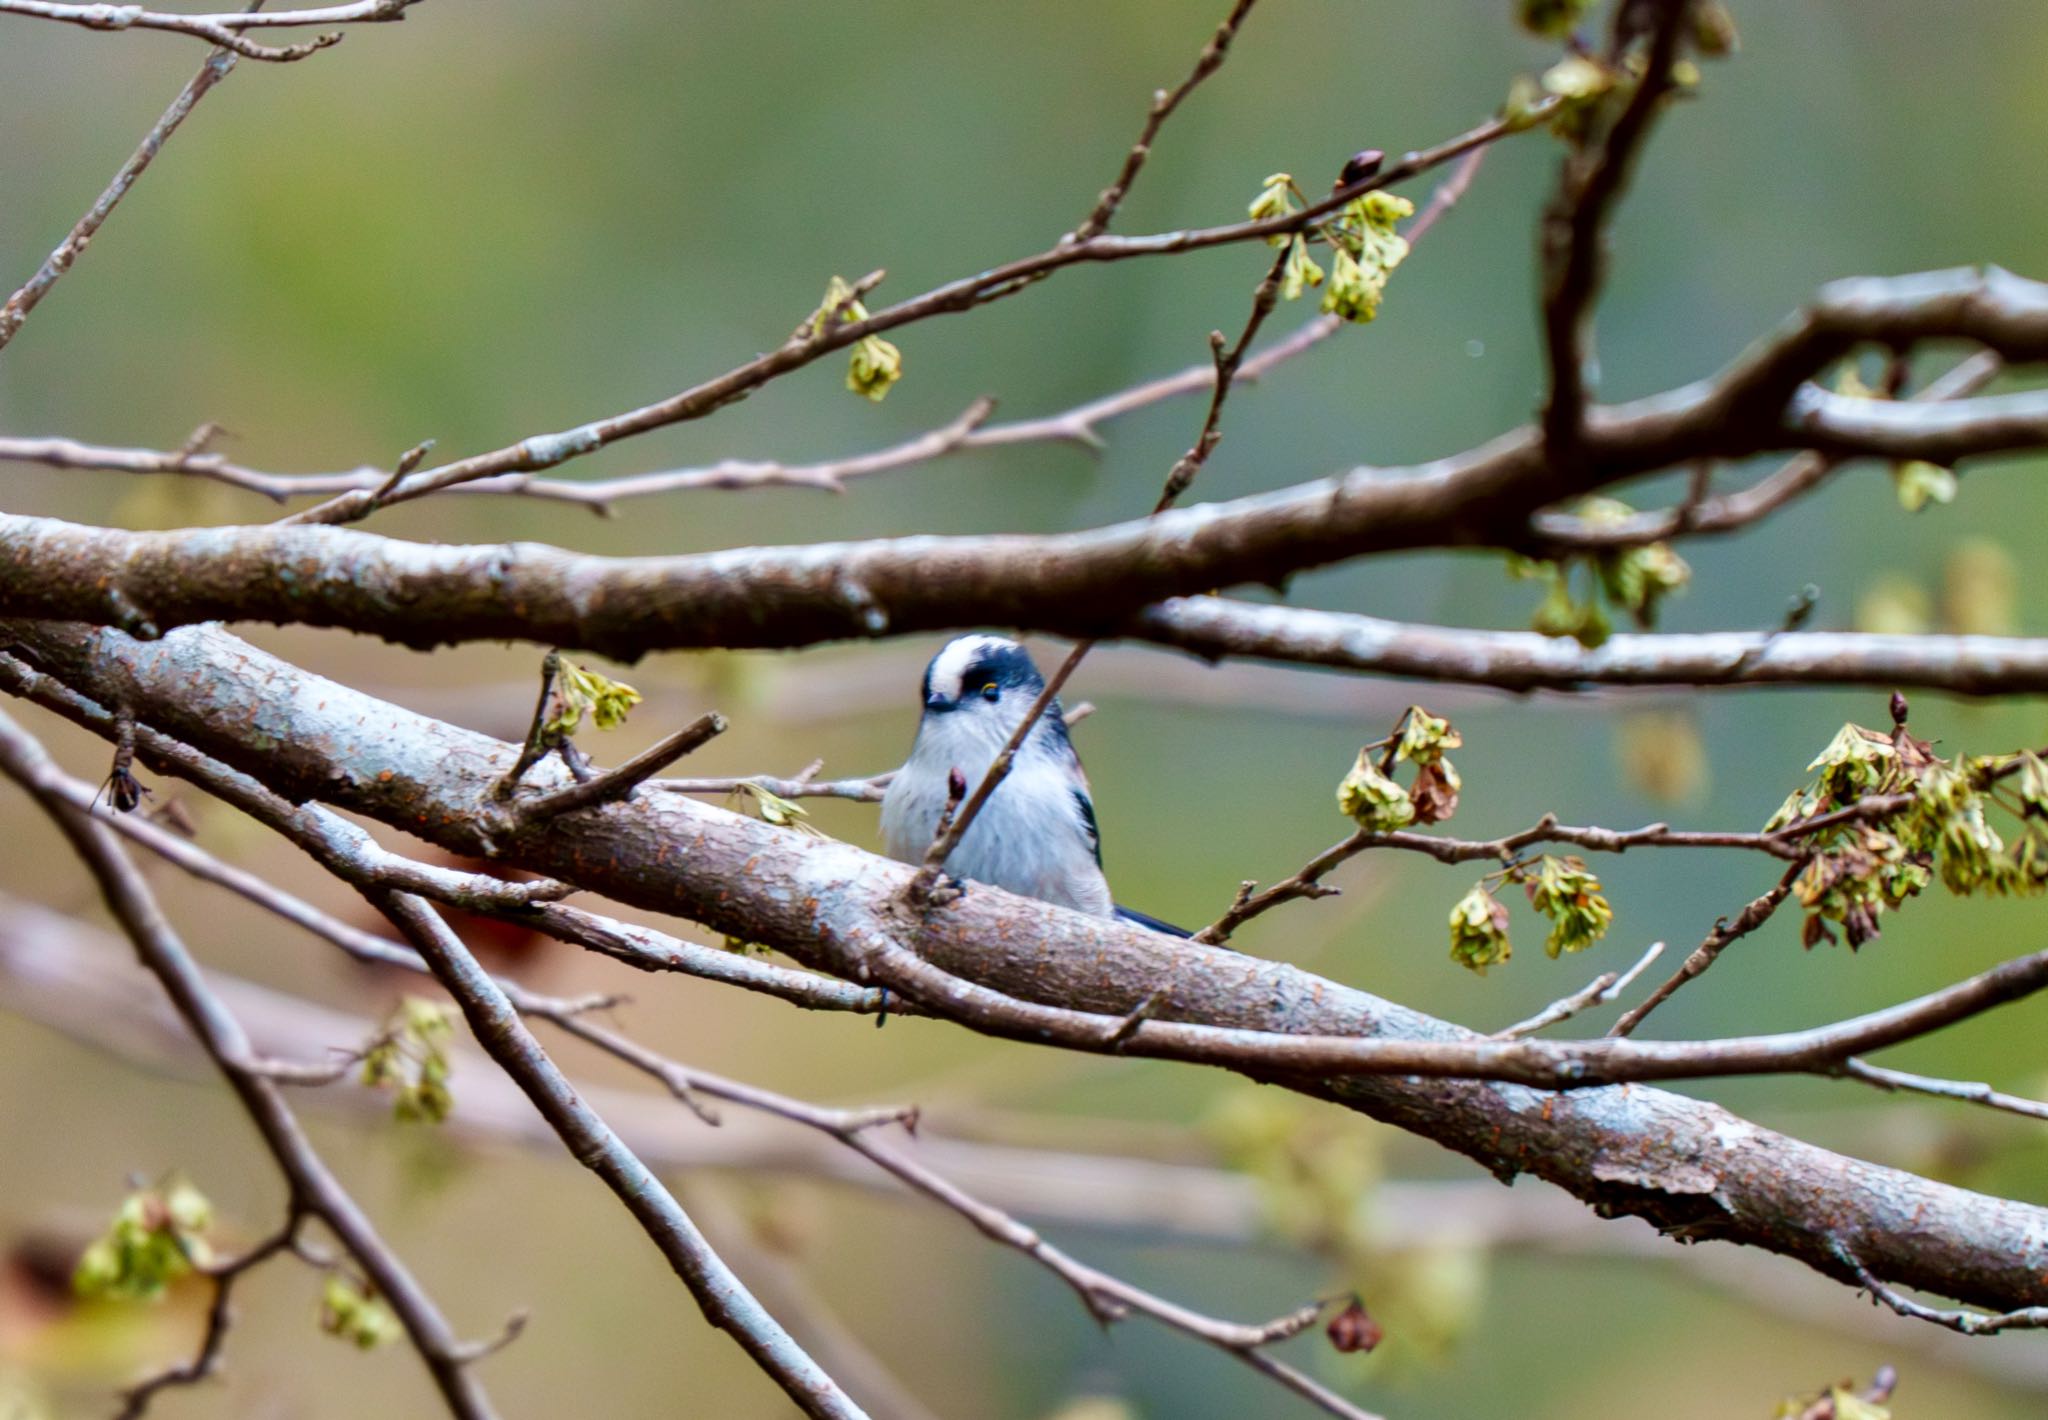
[1030, 837]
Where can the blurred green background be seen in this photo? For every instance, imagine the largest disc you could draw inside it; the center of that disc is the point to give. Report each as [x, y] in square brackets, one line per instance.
[507, 218]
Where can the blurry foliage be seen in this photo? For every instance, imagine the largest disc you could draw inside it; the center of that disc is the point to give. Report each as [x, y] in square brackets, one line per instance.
[410, 1059]
[1661, 754]
[1316, 1171]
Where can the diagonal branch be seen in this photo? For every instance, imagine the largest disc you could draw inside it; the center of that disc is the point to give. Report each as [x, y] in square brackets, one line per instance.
[726, 1303]
[313, 1187]
[816, 339]
[15, 310]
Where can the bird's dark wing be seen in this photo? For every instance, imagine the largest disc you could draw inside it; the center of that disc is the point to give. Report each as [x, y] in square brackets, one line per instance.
[1087, 807]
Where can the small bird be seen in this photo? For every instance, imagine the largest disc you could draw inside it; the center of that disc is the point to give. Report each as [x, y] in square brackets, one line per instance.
[1036, 835]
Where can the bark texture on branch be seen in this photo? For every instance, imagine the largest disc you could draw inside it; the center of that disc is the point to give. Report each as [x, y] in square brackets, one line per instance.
[1692, 1168]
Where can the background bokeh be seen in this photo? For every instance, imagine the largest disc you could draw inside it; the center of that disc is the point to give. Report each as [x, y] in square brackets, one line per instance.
[506, 218]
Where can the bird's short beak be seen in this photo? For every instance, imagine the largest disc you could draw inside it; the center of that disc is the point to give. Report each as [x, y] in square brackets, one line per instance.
[935, 701]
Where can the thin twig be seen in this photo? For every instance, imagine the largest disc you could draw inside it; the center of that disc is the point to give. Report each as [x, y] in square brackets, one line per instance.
[1971, 1091]
[1164, 102]
[542, 451]
[1108, 1298]
[1725, 934]
[619, 783]
[1969, 1323]
[1597, 992]
[135, 1400]
[17, 306]
[1574, 229]
[225, 29]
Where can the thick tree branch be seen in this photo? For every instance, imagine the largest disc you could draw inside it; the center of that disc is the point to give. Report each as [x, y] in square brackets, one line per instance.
[1082, 584]
[81, 982]
[1687, 1165]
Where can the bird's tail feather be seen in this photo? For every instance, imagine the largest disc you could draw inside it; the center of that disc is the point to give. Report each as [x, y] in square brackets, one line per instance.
[1127, 915]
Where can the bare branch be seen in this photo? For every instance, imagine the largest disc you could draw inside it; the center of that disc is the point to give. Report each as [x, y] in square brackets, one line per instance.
[1798, 477]
[225, 29]
[1217, 627]
[1574, 226]
[1164, 102]
[619, 783]
[1108, 1298]
[1725, 933]
[547, 450]
[1084, 584]
[1969, 1323]
[725, 1301]
[350, 854]
[135, 1400]
[313, 1187]
[1975, 1092]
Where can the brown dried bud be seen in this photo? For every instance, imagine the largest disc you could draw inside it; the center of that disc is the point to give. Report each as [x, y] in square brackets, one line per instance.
[1898, 709]
[956, 785]
[1354, 1330]
[1363, 164]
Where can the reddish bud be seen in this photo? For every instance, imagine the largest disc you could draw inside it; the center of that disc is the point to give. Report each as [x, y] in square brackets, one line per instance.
[1898, 708]
[1354, 1330]
[1363, 164]
[956, 785]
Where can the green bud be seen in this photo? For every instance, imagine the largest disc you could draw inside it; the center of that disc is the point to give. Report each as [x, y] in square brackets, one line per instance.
[1425, 737]
[1855, 762]
[1300, 272]
[1551, 19]
[1564, 891]
[1577, 79]
[355, 1314]
[582, 690]
[874, 367]
[1376, 803]
[1479, 931]
[1919, 483]
[1276, 199]
[1520, 112]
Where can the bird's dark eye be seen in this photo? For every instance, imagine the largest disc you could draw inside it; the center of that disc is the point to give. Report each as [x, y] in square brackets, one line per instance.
[989, 691]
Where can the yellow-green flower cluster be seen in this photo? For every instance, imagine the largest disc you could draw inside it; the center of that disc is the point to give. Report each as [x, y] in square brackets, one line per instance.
[156, 1237]
[1563, 890]
[583, 691]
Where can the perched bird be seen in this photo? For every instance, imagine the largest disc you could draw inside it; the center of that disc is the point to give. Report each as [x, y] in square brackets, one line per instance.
[1036, 835]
